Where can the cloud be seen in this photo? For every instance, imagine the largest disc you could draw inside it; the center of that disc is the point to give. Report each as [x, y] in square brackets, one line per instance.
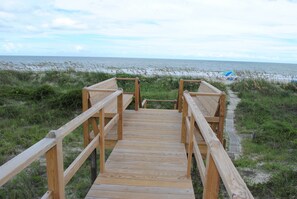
[67, 23]
[79, 48]
[213, 29]
[6, 15]
[11, 47]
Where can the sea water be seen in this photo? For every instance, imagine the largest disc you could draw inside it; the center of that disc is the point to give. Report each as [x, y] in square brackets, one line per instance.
[144, 66]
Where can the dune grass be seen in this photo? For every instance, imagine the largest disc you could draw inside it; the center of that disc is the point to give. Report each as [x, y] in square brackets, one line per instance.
[33, 103]
[268, 112]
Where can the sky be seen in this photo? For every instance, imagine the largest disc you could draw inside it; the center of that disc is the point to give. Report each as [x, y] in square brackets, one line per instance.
[242, 30]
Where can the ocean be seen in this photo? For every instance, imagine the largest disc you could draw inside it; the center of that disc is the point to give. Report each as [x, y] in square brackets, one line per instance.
[145, 66]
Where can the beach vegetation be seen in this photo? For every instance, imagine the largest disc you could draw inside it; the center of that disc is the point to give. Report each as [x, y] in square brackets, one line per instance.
[267, 112]
[33, 103]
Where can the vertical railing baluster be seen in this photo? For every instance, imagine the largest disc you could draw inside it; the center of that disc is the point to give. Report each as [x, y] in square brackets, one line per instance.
[222, 107]
[102, 140]
[120, 112]
[93, 155]
[136, 85]
[85, 106]
[55, 171]
[180, 95]
[212, 179]
[190, 145]
[184, 117]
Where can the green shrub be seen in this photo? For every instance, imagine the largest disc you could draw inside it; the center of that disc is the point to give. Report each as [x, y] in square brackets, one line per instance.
[43, 92]
[69, 100]
[280, 185]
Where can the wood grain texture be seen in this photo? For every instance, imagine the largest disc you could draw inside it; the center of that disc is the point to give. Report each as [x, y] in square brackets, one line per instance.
[218, 157]
[47, 195]
[55, 171]
[120, 120]
[190, 147]
[20, 162]
[212, 179]
[136, 95]
[76, 122]
[183, 126]
[222, 111]
[180, 95]
[150, 161]
[80, 159]
[102, 140]
[85, 106]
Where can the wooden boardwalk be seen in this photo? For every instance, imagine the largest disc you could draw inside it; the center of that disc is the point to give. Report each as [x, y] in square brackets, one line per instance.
[150, 161]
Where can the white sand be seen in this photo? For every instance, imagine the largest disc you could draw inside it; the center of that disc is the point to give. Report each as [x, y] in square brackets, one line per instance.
[151, 71]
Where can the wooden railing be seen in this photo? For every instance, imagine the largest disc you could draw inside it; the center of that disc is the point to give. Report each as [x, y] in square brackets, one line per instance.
[217, 120]
[218, 164]
[51, 147]
[146, 101]
[136, 92]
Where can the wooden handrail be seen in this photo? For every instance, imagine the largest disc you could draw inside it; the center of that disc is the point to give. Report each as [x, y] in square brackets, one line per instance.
[76, 122]
[100, 90]
[100, 83]
[127, 78]
[79, 160]
[51, 146]
[47, 195]
[192, 80]
[217, 160]
[136, 92]
[145, 101]
[205, 129]
[181, 90]
[204, 94]
[211, 87]
[24, 159]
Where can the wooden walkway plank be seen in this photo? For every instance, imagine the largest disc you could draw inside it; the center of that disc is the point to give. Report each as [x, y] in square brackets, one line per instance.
[150, 161]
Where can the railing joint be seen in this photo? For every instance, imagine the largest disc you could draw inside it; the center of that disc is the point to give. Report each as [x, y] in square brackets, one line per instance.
[51, 134]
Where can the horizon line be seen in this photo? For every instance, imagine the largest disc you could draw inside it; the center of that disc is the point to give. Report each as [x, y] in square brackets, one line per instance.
[160, 58]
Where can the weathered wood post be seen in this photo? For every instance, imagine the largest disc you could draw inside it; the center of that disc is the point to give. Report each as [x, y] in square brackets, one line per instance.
[184, 117]
[85, 106]
[212, 179]
[190, 145]
[55, 169]
[136, 94]
[93, 156]
[120, 112]
[180, 94]
[102, 140]
[222, 117]
[86, 131]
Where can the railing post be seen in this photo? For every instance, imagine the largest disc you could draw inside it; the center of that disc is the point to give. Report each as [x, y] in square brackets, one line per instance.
[212, 179]
[139, 94]
[120, 112]
[55, 171]
[180, 94]
[93, 156]
[184, 117]
[102, 140]
[85, 106]
[190, 146]
[136, 93]
[222, 117]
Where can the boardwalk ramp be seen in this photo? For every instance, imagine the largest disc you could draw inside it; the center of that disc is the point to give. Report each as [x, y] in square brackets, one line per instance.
[149, 157]
[150, 161]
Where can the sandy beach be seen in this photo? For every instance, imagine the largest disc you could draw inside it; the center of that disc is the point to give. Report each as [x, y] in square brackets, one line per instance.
[150, 71]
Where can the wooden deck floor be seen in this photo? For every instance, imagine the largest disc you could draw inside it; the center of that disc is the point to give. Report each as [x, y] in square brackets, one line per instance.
[150, 161]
